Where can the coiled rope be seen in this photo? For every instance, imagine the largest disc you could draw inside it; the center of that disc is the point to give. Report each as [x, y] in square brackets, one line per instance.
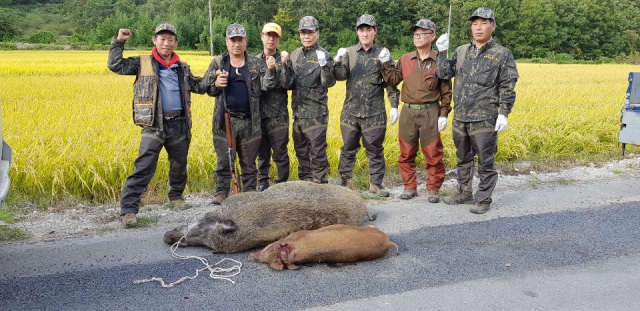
[214, 271]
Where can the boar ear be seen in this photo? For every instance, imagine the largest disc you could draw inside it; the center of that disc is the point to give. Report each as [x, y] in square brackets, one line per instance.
[226, 226]
[276, 265]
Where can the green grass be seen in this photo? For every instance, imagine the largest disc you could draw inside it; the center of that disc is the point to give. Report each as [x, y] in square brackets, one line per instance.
[8, 233]
[145, 221]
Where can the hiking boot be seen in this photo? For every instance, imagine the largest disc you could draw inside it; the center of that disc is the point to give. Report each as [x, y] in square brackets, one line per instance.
[408, 194]
[262, 188]
[347, 182]
[308, 179]
[180, 204]
[378, 190]
[217, 200]
[434, 196]
[480, 207]
[129, 219]
[462, 197]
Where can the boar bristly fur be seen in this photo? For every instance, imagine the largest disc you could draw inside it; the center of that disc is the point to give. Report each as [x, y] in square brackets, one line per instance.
[254, 219]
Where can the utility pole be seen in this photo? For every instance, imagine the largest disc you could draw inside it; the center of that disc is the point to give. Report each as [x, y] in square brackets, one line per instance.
[210, 30]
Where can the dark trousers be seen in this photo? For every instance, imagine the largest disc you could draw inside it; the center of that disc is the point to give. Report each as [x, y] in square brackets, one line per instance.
[310, 142]
[372, 131]
[247, 151]
[481, 139]
[275, 137]
[175, 139]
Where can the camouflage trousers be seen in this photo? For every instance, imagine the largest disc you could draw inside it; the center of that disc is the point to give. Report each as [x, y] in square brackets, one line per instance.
[246, 152]
[275, 137]
[372, 131]
[310, 142]
[481, 139]
[175, 139]
[418, 128]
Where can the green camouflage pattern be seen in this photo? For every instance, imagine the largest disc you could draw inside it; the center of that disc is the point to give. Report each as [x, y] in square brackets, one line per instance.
[261, 78]
[484, 83]
[275, 102]
[365, 85]
[311, 82]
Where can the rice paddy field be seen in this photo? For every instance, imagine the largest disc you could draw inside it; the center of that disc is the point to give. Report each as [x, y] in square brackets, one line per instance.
[68, 120]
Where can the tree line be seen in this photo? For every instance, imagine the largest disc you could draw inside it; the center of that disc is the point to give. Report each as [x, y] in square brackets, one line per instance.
[581, 29]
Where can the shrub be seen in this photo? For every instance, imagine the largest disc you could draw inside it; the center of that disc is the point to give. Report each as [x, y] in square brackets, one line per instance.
[43, 37]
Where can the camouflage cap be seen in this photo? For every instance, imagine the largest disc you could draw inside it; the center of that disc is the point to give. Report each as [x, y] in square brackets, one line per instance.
[308, 23]
[366, 19]
[166, 27]
[424, 23]
[236, 30]
[482, 13]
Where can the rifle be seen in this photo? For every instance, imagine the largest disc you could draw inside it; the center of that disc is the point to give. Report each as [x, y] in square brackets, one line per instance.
[231, 152]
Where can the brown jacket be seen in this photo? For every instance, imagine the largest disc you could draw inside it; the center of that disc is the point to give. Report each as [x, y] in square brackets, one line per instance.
[421, 85]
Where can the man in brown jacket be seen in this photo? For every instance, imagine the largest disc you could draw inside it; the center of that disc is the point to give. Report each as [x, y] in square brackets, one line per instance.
[427, 102]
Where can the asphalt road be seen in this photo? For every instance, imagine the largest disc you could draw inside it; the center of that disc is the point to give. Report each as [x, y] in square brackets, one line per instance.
[563, 247]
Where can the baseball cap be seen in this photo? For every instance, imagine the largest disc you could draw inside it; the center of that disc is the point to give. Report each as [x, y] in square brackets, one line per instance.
[236, 30]
[166, 27]
[424, 23]
[272, 27]
[482, 13]
[366, 19]
[308, 23]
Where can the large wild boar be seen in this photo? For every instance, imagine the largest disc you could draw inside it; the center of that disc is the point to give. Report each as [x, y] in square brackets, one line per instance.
[330, 244]
[255, 219]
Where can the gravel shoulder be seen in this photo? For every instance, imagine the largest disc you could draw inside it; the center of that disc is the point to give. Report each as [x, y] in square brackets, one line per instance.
[89, 220]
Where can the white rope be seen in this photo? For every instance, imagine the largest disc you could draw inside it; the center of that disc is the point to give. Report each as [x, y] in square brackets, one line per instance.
[214, 271]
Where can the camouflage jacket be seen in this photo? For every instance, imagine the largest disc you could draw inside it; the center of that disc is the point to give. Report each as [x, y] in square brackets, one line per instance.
[274, 103]
[146, 88]
[261, 80]
[365, 86]
[484, 81]
[311, 82]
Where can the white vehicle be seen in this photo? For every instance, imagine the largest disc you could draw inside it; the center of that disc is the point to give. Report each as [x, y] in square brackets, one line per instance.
[5, 161]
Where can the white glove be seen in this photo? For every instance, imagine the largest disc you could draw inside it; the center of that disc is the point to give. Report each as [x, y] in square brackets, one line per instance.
[501, 123]
[384, 56]
[341, 53]
[442, 124]
[322, 58]
[443, 42]
[393, 116]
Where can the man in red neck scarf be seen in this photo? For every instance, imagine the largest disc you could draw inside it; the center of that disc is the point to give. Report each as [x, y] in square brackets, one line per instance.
[162, 107]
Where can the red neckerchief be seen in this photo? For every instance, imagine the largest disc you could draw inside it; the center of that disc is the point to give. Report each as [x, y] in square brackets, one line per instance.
[174, 59]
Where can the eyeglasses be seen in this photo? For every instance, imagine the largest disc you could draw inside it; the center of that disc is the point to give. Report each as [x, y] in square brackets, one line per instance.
[422, 35]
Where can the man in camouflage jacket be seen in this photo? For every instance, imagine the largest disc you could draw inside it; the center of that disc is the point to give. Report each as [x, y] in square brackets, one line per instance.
[363, 113]
[162, 107]
[485, 77]
[239, 80]
[274, 111]
[313, 75]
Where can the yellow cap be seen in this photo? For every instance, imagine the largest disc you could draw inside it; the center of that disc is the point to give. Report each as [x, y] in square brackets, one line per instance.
[272, 27]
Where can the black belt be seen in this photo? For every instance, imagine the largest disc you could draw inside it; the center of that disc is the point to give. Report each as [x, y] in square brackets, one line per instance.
[239, 115]
[172, 115]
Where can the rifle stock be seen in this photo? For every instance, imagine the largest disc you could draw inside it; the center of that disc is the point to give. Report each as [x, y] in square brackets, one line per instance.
[231, 152]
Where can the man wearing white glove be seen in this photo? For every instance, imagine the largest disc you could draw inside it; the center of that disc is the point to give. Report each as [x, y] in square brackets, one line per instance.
[363, 114]
[312, 68]
[427, 103]
[483, 102]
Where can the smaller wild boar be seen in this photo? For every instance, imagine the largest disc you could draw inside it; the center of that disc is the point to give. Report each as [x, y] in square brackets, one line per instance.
[330, 244]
